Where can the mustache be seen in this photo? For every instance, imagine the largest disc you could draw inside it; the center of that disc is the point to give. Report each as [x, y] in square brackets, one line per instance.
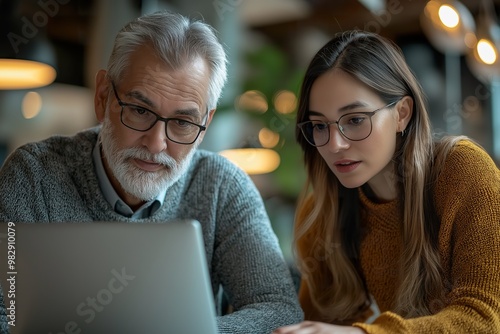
[142, 154]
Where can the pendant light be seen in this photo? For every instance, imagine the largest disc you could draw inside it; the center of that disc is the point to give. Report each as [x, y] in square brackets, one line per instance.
[27, 59]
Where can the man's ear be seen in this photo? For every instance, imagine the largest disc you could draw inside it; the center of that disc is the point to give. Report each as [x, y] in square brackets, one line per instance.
[405, 111]
[101, 95]
[209, 120]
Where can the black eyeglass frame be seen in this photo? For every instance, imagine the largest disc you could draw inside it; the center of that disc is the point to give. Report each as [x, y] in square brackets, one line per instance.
[370, 114]
[122, 104]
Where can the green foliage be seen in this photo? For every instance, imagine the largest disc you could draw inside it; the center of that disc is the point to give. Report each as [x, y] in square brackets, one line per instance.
[268, 71]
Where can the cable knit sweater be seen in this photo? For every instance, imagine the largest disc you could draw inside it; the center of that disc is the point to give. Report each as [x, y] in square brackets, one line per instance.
[54, 180]
[467, 199]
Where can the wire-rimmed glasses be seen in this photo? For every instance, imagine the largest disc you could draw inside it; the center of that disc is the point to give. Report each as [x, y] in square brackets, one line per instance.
[353, 126]
[141, 119]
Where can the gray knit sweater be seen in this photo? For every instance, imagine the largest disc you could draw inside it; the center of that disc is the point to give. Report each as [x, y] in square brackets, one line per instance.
[54, 180]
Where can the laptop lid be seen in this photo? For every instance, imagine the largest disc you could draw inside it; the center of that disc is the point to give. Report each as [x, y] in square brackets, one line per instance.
[106, 278]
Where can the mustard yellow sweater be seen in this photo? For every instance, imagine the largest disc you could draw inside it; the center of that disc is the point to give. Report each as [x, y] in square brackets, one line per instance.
[467, 199]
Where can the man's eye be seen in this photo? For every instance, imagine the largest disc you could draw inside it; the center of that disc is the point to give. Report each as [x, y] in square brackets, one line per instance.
[182, 123]
[138, 110]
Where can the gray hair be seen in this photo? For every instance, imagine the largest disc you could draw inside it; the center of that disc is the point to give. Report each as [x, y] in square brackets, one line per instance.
[177, 40]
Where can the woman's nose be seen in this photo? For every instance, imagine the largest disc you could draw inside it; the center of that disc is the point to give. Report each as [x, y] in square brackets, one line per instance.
[337, 140]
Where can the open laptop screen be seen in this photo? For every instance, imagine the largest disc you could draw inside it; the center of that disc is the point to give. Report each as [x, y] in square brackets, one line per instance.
[106, 278]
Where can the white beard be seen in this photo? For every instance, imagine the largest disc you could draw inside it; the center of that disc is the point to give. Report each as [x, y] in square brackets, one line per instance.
[139, 183]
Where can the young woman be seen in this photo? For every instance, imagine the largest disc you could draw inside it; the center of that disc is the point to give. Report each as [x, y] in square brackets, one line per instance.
[395, 232]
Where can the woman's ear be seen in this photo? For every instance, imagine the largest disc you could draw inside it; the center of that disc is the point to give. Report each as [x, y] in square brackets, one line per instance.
[404, 112]
[101, 95]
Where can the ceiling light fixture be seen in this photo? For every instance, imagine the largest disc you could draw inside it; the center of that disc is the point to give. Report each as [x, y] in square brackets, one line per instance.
[449, 26]
[483, 58]
[483, 61]
[25, 74]
[26, 56]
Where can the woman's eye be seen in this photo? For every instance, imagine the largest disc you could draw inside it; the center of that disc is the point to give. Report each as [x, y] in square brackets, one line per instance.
[356, 120]
[320, 126]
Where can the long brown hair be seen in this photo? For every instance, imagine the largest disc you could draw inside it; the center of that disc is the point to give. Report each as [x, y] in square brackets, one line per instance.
[328, 213]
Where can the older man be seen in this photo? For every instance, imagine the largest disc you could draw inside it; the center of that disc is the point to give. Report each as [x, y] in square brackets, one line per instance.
[155, 101]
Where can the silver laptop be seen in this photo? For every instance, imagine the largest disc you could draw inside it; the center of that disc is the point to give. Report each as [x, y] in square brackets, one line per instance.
[106, 278]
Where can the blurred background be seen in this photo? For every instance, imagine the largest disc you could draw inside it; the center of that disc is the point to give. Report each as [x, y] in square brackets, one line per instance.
[452, 47]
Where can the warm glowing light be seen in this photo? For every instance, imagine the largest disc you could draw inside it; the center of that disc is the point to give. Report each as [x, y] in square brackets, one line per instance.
[470, 40]
[268, 138]
[253, 160]
[32, 104]
[486, 51]
[448, 25]
[252, 100]
[285, 102]
[449, 16]
[25, 74]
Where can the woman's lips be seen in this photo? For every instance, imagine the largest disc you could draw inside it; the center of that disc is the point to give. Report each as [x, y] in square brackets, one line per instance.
[346, 166]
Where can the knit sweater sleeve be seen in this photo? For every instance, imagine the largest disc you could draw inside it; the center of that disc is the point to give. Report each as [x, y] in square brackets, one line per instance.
[19, 180]
[22, 198]
[247, 259]
[467, 198]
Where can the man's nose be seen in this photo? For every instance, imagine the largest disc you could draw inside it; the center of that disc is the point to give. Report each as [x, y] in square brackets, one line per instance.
[155, 139]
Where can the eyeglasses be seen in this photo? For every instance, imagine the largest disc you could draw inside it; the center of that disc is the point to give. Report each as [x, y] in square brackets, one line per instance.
[141, 119]
[353, 126]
